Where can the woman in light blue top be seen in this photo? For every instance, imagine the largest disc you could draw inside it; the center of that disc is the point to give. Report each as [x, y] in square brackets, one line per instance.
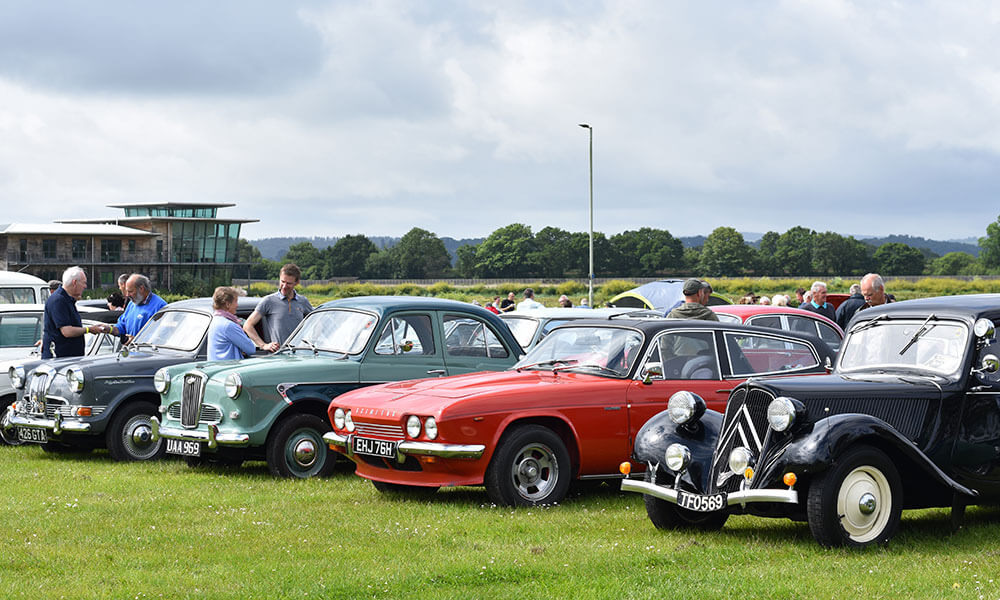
[226, 338]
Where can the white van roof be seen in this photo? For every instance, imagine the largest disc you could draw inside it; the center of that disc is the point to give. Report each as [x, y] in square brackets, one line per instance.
[13, 277]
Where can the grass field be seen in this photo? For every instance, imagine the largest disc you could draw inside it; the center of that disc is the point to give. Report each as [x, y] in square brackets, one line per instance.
[82, 526]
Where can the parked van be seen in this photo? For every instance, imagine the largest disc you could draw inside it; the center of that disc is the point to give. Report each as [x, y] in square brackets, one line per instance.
[21, 288]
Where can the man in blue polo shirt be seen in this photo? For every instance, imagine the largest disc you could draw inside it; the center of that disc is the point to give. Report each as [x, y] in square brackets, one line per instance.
[279, 313]
[63, 329]
[143, 305]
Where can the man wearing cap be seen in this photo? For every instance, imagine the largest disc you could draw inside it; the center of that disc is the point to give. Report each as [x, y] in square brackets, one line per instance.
[695, 306]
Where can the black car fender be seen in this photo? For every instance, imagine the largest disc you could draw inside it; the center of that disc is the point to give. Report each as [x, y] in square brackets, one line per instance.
[828, 438]
[700, 437]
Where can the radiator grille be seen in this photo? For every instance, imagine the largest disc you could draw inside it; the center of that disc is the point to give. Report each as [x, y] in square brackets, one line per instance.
[745, 424]
[392, 432]
[209, 413]
[191, 395]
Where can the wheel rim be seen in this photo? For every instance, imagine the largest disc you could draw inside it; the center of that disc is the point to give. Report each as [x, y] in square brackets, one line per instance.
[864, 503]
[304, 453]
[9, 436]
[534, 471]
[137, 438]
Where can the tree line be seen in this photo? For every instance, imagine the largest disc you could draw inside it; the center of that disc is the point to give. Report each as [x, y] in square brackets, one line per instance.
[514, 251]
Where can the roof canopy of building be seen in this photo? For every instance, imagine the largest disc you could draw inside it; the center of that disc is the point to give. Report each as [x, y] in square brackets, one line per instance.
[164, 211]
[72, 229]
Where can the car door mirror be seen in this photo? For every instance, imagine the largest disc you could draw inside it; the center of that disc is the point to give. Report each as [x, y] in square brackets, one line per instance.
[989, 365]
[653, 369]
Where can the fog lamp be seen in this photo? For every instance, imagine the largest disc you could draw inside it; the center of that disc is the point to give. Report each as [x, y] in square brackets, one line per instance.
[677, 457]
[739, 459]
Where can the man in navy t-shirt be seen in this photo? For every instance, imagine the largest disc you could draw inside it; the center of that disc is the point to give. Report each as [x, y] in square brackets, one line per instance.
[63, 328]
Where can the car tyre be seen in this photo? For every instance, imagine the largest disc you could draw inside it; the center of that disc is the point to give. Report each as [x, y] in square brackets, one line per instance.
[667, 515]
[530, 467]
[296, 448]
[857, 501]
[129, 434]
[7, 436]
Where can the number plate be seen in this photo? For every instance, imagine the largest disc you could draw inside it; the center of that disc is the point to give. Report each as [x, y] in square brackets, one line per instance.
[699, 503]
[183, 448]
[370, 447]
[30, 434]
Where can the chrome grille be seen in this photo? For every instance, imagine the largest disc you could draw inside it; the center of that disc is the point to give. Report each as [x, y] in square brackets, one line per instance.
[37, 387]
[65, 410]
[379, 430]
[209, 413]
[745, 424]
[191, 394]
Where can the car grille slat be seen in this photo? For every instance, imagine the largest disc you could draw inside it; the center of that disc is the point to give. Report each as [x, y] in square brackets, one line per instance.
[209, 413]
[746, 419]
[906, 415]
[394, 432]
[191, 395]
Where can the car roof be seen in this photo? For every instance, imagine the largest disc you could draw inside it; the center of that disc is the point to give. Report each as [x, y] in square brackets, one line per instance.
[744, 311]
[968, 306]
[566, 313]
[21, 307]
[384, 304]
[245, 304]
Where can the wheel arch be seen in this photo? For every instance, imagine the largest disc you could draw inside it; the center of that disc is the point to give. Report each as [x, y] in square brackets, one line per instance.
[558, 425]
[310, 405]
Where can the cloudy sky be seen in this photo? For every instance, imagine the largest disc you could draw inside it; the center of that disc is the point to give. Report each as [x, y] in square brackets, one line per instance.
[332, 118]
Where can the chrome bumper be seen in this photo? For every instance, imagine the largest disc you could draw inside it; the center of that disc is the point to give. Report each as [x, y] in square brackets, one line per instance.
[212, 437]
[742, 497]
[404, 448]
[56, 425]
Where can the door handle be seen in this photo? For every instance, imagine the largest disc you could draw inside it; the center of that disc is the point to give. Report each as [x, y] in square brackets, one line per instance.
[723, 391]
[438, 372]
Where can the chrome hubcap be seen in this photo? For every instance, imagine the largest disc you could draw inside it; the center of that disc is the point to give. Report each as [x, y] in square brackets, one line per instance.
[867, 504]
[142, 434]
[304, 453]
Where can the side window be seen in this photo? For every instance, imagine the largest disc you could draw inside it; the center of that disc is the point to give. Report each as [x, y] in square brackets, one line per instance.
[20, 330]
[688, 355]
[802, 324]
[406, 334]
[769, 321]
[751, 354]
[830, 336]
[466, 336]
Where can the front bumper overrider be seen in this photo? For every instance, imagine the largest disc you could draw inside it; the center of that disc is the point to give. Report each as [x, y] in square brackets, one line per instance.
[211, 436]
[342, 444]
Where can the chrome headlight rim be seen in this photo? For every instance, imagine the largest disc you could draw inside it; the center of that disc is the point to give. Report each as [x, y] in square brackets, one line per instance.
[233, 385]
[161, 381]
[76, 378]
[413, 426]
[338, 418]
[739, 459]
[431, 428]
[783, 412]
[677, 457]
[685, 407]
[17, 378]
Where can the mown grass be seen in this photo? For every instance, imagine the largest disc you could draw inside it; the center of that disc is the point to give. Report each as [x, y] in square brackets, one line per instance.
[81, 526]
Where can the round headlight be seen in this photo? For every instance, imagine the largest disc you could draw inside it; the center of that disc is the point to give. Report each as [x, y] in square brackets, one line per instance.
[338, 418]
[685, 406]
[413, 426]
[16, 374]
[739, 459]
[161, 381]
[781, 413]
[431, 428]
[234, 385]
[75, 379]
[348, 421]
[677, 457]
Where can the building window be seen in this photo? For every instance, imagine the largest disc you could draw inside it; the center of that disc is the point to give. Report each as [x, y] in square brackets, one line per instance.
[81, 250]
[111, 250]
[131, 248]
[108, 279]
[49, 249]
[23, 250]
[159, 250]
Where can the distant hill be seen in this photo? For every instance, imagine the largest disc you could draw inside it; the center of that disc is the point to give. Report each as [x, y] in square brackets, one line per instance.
[937, 247]
[275, 248]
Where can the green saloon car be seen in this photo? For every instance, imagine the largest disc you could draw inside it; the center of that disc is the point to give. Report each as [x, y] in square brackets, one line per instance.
[274, 407]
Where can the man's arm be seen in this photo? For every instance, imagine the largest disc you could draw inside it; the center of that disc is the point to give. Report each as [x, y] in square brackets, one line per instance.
[250, 327]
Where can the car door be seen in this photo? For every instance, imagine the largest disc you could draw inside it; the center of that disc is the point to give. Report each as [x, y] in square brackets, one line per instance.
[471, 345]
[976, 454]
[406, 347]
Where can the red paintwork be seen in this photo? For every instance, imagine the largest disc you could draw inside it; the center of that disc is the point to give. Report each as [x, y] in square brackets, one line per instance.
[598, 416]
[745, 311]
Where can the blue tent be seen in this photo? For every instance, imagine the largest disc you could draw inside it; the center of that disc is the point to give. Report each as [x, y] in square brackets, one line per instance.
[661, 295]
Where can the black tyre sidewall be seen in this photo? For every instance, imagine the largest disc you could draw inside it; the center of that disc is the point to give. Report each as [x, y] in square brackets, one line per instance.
[275, 451]
[501, 489]
[115, 443]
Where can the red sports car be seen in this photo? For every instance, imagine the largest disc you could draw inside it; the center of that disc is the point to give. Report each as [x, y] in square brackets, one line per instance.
[569, 409]
[783, 317]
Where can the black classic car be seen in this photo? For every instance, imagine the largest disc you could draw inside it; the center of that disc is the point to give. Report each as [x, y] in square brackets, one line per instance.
[107, 400]
[909, 419]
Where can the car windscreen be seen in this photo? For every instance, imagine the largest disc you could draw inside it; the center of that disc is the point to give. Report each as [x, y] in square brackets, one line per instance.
[522, 328]
[343, 331]
[174, 329]
[600, 350]
[932, 345]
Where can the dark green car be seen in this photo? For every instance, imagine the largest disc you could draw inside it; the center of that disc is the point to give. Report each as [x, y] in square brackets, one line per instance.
[274, 407]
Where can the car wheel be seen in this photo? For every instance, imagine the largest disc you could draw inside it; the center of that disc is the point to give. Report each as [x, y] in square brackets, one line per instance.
[7, 436]
[399, 488]
[130, 432]
[530, 467]
[857, 502]
[667, 515]
[296, 448]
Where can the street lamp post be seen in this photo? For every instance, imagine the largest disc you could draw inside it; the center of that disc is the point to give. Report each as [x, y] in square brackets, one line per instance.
[590, 291]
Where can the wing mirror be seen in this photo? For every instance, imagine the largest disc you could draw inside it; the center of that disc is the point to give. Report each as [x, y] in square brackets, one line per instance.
[653, 369]
[990, 365]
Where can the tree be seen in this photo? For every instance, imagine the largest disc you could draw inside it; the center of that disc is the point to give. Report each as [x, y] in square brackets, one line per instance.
[834, 254]
[989, 246]
[895, 258]
[308, 258]
[465, 263]
[793, 252]
[420, 255]
[646, 252]
[507, 252]
[767, 263]
[956, 263]
[725, 254]
[347, 257]
[551, 253]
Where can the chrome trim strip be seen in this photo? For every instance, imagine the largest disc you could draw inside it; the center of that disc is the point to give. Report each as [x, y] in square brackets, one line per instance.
[56, 425]
[334, 439]
[441, 450]
[744, 497]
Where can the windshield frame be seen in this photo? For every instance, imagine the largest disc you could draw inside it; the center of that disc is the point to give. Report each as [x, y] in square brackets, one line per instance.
[898, 340]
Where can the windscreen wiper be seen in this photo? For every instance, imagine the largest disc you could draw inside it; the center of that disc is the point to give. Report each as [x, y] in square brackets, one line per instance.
[920, 332]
